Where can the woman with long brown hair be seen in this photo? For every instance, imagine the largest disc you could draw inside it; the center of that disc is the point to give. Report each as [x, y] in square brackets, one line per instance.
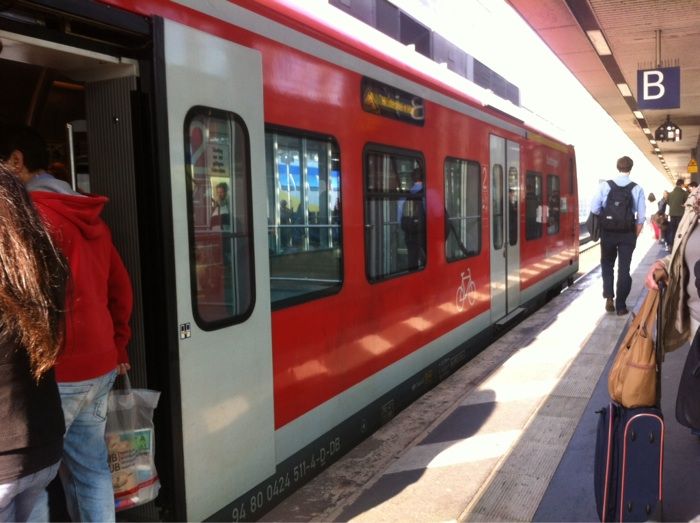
[33, 279]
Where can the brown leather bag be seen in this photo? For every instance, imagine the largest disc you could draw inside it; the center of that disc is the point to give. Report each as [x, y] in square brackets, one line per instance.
[633, 380]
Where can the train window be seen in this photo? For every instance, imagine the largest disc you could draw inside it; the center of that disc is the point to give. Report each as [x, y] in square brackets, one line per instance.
[554, 195]
[218, 193]
[497, 184]
[533, 205]
[394, 212]
[513, 204]
[462, 209]
[303, 209]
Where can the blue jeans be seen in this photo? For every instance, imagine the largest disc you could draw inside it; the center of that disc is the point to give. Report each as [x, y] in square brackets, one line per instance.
[24, 497]
[673, 222]
[84, 472]
[620, 246]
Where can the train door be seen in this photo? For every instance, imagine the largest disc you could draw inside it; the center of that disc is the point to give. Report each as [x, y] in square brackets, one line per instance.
[505, 227]
[217, 173]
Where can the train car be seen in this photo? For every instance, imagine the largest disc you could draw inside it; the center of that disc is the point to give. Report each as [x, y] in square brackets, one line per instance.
[319, 225]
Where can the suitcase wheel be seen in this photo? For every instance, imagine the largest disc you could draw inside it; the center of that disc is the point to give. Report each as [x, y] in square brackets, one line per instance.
[647, 507]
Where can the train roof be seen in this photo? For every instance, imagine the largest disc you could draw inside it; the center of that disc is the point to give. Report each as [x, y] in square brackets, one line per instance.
[319, 19]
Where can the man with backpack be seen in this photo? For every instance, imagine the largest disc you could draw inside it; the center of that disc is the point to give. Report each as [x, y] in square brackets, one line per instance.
[676, 208]
[621, 208]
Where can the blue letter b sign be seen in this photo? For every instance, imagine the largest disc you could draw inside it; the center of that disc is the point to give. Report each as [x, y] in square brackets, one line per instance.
[659, 88]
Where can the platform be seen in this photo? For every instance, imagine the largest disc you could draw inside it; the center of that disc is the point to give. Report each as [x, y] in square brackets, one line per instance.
[510, 436]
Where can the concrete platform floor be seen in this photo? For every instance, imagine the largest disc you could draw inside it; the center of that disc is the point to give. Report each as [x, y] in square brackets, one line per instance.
[510, 435]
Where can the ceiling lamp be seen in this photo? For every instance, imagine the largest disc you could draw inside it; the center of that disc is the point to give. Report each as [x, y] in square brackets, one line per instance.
[668, 132]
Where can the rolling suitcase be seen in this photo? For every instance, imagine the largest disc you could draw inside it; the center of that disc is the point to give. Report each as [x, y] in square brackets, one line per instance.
[629, 463]
[629, 450]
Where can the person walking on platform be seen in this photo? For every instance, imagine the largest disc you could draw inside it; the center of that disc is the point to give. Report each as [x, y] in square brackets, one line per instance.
[661, 218]
[681, 272]
[620, 205]
[676, 201]
[98, 311]
[32, 297]
[651, 218]
[663, 204]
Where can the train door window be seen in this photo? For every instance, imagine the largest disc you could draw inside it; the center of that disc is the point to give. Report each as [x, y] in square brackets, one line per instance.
[513, 205]
[462, 209]
[218, 193]
[497, 184]
[394, 212]
[533, 205]
[303, 208]
[553, 210]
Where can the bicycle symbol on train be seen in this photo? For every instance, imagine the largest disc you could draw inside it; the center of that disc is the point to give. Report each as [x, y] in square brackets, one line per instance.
[466, 291]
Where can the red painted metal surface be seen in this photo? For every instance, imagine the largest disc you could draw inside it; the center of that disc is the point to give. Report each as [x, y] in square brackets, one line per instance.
[325, 346]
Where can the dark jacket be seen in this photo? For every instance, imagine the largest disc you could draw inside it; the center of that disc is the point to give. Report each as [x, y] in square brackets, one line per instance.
[593, 226]
[663, 204]
[676, 200]
[32, 427]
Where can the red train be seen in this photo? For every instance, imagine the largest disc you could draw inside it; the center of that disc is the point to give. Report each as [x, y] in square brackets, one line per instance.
[319, 226]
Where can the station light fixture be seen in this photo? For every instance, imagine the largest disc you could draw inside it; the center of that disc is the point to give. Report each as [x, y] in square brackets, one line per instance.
[625, 90]
[668, 131]
[599, 43]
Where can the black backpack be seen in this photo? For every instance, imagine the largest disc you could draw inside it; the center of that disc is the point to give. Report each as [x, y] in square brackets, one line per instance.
[618, 211]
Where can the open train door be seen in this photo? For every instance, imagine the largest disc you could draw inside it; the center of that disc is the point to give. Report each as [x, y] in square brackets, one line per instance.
[216, 168]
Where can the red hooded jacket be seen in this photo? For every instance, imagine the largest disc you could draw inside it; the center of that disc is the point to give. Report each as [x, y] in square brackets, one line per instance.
[99, 295]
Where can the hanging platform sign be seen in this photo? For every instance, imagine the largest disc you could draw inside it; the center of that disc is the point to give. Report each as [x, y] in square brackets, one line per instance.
[385, 100]
[659, 88]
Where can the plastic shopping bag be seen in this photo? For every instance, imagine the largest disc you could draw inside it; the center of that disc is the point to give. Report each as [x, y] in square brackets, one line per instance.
[131, 445]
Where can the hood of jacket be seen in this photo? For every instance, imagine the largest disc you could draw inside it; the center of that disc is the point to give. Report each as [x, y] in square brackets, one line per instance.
[83, 211]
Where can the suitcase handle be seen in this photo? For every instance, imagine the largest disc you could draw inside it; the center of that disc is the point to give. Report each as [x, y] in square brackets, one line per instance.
[659, 321]
[658, 346]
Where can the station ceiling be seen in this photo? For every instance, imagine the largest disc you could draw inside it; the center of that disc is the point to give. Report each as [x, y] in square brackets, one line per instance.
[641, 35]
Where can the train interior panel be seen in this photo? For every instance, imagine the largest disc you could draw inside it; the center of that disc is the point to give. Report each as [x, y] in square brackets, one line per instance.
[80, 102]
[57, 93]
